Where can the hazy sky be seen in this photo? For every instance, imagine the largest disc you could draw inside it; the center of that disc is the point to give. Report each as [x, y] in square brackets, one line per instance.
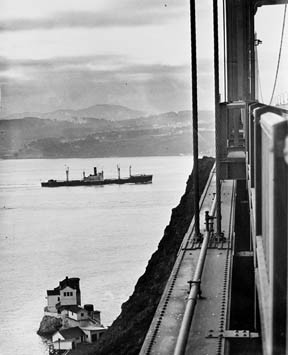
[72, 54]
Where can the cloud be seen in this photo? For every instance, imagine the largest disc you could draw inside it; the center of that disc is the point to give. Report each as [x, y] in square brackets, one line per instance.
[100, 66]
[150, 92]
[58, 62]
[137, 15]
[145, 63]
[77, 82]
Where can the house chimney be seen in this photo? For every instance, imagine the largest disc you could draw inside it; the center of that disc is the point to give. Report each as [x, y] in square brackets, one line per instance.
[90, 309]
[97, 316]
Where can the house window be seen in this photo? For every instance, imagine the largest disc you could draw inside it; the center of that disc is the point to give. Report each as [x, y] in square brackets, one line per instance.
[67, 294]
[58, 299]
[82, 314]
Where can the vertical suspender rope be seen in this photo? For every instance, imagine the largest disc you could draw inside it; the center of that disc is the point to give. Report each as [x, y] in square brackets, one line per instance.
[224, 50]
[192, 299]
[217, 113]
[195, 116]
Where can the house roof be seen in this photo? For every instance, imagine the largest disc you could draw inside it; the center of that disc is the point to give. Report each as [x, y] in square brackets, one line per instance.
[73, 308]
[72, 282]
[55, 292]
[94, 328]
[71, 333]
[76, 309]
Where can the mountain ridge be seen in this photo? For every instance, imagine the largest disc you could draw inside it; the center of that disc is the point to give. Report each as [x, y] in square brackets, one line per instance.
[165, 134]
[105, 111]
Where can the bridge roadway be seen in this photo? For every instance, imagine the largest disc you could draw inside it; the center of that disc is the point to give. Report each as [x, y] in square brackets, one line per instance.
[207, 332]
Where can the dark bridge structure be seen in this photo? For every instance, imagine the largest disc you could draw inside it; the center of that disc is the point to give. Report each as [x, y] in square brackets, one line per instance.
[227, 293]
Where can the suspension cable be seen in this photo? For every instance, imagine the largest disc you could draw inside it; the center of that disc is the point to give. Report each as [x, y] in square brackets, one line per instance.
[279, 56]
[195, 116]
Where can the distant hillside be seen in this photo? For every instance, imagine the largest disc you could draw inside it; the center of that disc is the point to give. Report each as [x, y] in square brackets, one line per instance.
[166, 134]
[107, 112]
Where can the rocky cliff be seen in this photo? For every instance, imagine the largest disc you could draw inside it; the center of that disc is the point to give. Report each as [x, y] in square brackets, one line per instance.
[127, 333]
[49, 325]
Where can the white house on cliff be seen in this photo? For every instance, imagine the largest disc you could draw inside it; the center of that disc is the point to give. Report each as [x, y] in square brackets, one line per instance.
[66, 294]
[79, 325]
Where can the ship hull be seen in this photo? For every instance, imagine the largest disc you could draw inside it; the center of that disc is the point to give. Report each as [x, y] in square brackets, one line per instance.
[138, 179]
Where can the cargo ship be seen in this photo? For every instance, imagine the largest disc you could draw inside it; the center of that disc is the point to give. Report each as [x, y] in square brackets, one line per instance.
[97, 178]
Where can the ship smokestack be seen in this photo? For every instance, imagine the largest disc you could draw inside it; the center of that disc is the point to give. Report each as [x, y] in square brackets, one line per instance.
[130, 170]
[67, 173]
[95, 170]
[118, 169]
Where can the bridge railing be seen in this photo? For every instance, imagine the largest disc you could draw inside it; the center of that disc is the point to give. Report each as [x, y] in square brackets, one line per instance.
[266, 130]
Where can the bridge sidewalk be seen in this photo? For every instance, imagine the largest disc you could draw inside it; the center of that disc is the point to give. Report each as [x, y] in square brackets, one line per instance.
[162, 335]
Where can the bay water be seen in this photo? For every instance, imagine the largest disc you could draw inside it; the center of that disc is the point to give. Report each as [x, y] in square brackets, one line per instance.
[104, 235]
